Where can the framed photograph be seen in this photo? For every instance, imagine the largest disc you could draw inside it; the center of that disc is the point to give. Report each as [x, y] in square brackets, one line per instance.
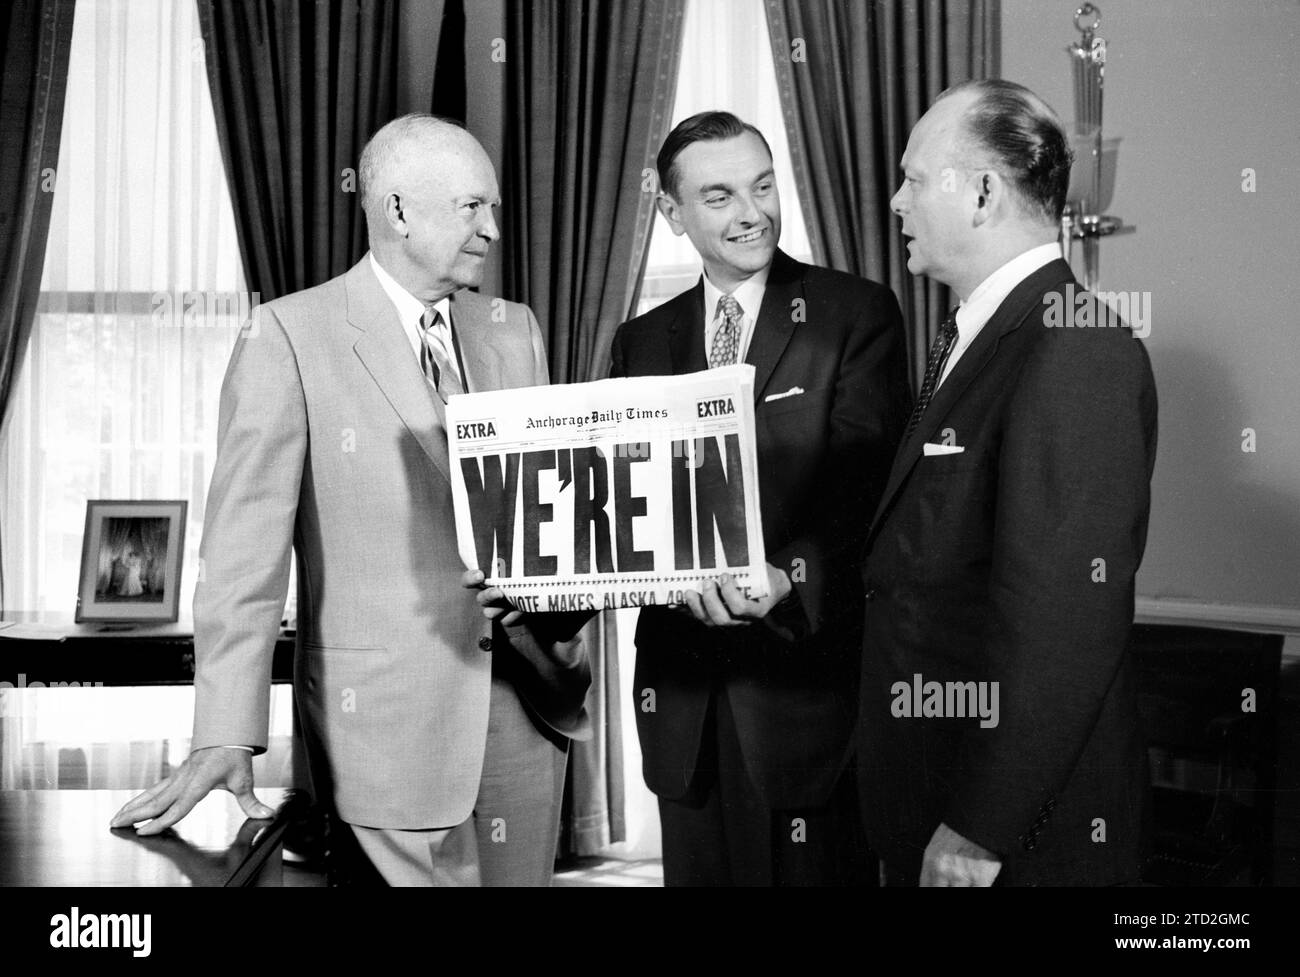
[131, 561]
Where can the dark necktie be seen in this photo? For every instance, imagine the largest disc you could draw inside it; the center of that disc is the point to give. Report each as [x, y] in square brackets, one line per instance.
[933, 369]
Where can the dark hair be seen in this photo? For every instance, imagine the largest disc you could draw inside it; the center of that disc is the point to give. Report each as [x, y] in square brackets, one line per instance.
[698, 128]
[1025, 138]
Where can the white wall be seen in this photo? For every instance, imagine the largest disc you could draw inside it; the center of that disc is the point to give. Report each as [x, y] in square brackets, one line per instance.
[1198, 92]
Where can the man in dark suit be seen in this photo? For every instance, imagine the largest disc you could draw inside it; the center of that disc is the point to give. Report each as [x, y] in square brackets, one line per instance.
[999, 732]
[745, 707]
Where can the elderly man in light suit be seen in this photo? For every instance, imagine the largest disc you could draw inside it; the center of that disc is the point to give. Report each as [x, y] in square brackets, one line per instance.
[440, 737]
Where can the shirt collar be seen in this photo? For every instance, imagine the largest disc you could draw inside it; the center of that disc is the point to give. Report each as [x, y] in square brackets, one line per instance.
[988, 295]
[409, 308]
[748, 293]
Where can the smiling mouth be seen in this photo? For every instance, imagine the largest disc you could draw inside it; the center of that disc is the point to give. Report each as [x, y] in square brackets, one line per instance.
[747, 238]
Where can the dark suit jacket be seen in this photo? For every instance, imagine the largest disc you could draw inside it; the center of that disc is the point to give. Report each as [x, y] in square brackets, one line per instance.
[822, 459]
[981, 567]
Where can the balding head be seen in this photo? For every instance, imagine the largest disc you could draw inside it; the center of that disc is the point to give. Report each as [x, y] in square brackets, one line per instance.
[1006, 126]
[428, 190]
[984, 177]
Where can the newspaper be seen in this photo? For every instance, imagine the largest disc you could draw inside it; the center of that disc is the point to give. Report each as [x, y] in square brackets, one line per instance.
[615, 493]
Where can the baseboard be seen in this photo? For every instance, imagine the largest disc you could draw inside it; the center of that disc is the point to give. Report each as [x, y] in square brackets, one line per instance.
[1234, 617]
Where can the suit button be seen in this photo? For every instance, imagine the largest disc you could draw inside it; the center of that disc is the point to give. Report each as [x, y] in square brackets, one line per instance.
[870, 594]
[485, 643]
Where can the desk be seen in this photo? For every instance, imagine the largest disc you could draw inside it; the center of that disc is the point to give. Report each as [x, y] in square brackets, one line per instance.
[156, 654]
[62, 838]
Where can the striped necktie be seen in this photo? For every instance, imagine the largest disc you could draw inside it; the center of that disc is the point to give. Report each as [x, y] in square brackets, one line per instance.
[436, 357]
[726, 341]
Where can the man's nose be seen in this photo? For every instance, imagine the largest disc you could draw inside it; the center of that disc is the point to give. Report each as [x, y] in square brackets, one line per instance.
[896, 202]
[488, 227]
[749, 213]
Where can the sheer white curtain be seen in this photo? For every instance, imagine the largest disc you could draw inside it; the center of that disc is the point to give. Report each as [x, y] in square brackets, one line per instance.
[142, 297]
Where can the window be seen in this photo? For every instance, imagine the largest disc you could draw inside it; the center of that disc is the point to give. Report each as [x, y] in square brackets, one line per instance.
[141, 301]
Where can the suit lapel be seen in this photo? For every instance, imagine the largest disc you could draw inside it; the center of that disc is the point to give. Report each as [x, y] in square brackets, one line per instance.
[774, 324]
[1014, 311]
[686, 332]
[471, 318]
[386, 354]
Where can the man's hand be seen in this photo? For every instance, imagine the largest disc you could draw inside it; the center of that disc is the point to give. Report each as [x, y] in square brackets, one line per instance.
[169, 800]
[722, 605]
[491, 599]
[951, 860]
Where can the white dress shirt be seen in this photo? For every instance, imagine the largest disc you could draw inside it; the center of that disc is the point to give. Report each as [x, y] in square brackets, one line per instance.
[975, 312]
[749, 294]
[409, 312]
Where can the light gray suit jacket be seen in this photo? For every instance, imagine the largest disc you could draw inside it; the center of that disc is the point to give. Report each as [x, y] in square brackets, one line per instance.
[332, 443]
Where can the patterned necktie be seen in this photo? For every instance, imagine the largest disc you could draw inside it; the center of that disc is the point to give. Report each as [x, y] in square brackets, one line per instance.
[933, 369]
[726, 341]
[436, 357]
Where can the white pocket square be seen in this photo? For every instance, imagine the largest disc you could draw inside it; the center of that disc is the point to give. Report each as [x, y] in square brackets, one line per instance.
[792, 392]
[941, 449]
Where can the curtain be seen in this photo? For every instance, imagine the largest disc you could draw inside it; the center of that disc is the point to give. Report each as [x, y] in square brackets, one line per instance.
[141, 299]
[854, 77]
[36, 46]
[588, 99]
[297, 90]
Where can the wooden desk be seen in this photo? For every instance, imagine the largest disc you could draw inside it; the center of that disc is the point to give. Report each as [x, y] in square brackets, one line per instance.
[158, 654]
[62, 838]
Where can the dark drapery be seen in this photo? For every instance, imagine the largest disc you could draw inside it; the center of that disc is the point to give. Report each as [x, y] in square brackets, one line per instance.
[297, 89]
[854, 77]
[588, 101]
[37, 41]
[35, 78]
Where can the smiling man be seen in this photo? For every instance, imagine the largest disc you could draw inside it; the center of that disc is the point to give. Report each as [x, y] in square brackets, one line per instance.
[439, 739]
[753, 700]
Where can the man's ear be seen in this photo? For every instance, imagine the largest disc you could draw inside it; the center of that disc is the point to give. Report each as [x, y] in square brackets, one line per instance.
[672, 212]
[395, 215]
[990, 195]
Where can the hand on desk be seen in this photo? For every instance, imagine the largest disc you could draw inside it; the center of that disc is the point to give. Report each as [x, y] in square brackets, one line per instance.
[200, 866]
[173, 797]
[722, 605]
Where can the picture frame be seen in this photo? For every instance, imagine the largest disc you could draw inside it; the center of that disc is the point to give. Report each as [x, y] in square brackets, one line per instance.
[131, 557]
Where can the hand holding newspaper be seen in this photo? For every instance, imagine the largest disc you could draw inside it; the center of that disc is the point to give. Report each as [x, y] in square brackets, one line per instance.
[615, 493]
